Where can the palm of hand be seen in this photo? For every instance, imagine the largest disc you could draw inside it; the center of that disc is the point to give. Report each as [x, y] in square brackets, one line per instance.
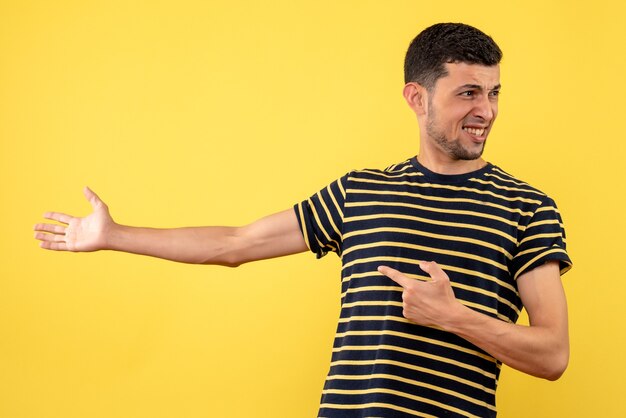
[76, 234]
[86, 234]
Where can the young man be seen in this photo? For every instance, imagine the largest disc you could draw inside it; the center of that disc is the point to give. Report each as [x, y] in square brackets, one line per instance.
[440, 252]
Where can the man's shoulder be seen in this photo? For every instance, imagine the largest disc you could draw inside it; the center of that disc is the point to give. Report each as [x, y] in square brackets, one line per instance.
[393, 171]
[506, 181]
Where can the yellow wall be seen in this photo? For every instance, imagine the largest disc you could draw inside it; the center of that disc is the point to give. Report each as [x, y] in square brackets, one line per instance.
[190, 112]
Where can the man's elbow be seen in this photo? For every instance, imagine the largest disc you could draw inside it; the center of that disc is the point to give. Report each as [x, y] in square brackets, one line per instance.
[554, 374]
[230, 251]
[556, 366]
[228, 260]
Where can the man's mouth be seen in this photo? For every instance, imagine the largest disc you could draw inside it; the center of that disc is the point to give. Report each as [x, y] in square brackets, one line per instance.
[475, 131]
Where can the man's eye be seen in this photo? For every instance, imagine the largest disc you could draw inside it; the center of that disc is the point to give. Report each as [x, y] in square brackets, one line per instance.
[467, 93]
[495, 93]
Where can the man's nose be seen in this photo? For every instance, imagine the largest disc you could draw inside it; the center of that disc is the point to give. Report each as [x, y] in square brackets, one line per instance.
[484, 108]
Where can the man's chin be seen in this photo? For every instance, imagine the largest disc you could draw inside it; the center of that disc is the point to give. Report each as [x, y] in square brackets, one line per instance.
[473, 157]
[467, 155]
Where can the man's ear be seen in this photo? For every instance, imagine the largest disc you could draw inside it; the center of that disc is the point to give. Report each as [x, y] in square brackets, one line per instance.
[416, 97]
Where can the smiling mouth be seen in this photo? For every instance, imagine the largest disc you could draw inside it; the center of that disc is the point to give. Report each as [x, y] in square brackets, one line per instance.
[475, 131]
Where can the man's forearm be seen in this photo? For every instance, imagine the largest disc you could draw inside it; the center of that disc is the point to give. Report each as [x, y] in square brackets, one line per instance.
[541, 349]
[536, 350]
[196, 245]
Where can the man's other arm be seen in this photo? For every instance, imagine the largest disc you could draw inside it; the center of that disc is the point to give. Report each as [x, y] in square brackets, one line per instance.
[273, 236]
[540, 349]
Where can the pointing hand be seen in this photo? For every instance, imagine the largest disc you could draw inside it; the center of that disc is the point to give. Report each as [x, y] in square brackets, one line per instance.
[429, 303]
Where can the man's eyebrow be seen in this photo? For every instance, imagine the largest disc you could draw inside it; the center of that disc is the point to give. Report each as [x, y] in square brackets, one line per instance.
[477, 87]
[470, 87]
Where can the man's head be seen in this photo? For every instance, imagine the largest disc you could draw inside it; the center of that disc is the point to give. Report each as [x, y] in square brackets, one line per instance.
[453, 83]
[447, 43]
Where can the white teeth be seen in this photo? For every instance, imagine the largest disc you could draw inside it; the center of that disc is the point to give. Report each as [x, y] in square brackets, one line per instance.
[475, 131]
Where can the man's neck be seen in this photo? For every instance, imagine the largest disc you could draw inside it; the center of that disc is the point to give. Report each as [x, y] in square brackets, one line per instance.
[448, 166]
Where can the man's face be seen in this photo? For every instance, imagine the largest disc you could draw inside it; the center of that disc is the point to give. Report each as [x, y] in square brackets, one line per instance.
[462, 107]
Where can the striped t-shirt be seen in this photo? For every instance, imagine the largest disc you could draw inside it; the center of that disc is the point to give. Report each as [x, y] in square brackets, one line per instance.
[483, 228]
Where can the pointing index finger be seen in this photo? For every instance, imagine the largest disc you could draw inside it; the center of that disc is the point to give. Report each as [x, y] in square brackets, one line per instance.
[396, 276]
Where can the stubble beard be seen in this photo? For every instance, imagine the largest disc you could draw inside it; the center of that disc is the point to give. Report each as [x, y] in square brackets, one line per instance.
[452, 147]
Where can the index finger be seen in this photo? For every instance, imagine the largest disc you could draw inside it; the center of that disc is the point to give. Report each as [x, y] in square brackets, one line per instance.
[57, 216]
[396, 276]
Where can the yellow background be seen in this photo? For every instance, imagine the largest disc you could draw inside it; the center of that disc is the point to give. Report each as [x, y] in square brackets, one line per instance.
[219, 112]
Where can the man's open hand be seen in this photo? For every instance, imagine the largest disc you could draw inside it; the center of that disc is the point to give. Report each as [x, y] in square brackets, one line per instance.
[76, 234]
[429, 303]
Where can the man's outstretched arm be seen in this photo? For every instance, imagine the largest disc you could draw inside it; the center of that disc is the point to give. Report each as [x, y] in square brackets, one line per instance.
[273, 236]
[540, 349]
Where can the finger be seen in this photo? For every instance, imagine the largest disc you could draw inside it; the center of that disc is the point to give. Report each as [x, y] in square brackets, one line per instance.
[57, 216]
[54, 246]
[433, 270]
[93, 198]
[42, 236]
[396, 276]
[53, 229]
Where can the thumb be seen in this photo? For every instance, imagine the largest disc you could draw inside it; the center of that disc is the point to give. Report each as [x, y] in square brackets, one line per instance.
[92, 197]
[433, 270]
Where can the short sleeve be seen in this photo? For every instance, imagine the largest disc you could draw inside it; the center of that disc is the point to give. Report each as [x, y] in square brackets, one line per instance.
[321, 218]
[543, 239]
